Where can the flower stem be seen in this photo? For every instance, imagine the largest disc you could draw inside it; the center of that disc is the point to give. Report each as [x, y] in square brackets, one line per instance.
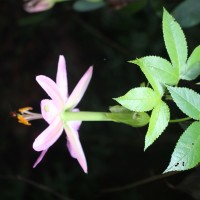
[93, 116]
[180, 120]
[86, 116]
[130, 118]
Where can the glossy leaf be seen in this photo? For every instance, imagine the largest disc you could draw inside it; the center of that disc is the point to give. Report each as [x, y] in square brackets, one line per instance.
[186, 153]
[175, 41]
[158, 122]
[187, 100]
[187, 13]
[192, 70]
[138, 99]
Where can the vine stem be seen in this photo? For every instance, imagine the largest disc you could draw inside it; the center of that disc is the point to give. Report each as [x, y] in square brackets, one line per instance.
[179, 120]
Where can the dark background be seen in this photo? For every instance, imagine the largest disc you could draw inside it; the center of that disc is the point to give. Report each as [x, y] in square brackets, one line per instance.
[30, 44]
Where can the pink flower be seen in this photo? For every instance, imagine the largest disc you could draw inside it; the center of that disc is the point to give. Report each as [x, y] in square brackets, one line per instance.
[52, 111]
[32, 6]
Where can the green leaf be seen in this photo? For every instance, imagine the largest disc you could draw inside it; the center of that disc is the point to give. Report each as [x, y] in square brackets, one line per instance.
[186, 153]
[192, 69]
[187, 100]
[187, 13]
[160, 68]
[158, 122]
[175, 41]
[138, 99]
[194, 57]
[85, 6]
[135, 119]
[156, 85]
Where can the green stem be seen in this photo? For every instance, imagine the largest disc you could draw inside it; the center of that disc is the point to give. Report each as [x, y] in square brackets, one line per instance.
[180, 120]
[93, 116]
[130, 118]
[86, 116]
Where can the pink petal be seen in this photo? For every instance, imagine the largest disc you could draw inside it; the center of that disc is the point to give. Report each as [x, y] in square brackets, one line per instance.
[52, 90]
[48, 110]
[41, 156]
[75, 124]
[75, 146]
[79, 90]
[38, 6]
[61, 78]
[71, 151]
[49, 135]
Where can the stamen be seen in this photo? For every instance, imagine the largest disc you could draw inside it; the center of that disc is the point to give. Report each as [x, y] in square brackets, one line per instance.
[23, 110]
[24, 115]
[22, 120]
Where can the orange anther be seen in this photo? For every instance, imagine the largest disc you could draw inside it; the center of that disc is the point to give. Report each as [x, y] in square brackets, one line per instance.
[22, 120]
[22, 110]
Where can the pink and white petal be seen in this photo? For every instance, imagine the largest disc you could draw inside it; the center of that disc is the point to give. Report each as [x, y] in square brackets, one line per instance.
[41, 156]
[38, 6]
[75, 124]
[79, 90]
[49, 135]
[52, 90]
[71, 150]
[76, 110]
[61, 78]
[48, 110]
[75, 146]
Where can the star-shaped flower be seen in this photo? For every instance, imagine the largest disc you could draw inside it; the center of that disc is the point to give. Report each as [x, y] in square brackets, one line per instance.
[52, 111]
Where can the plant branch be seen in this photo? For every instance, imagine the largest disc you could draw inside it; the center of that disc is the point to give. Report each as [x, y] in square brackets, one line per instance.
[139, 183]
[180, 120]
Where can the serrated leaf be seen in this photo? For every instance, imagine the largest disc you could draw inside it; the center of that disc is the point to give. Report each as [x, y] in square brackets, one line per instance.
[186, 153]
[187, 100]
[135, 119]
[158, 122]
[194, 57]
[192, 69]
[156, 85]
[187, 13]
[140, 99]
[175, 41]
[160, 68]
